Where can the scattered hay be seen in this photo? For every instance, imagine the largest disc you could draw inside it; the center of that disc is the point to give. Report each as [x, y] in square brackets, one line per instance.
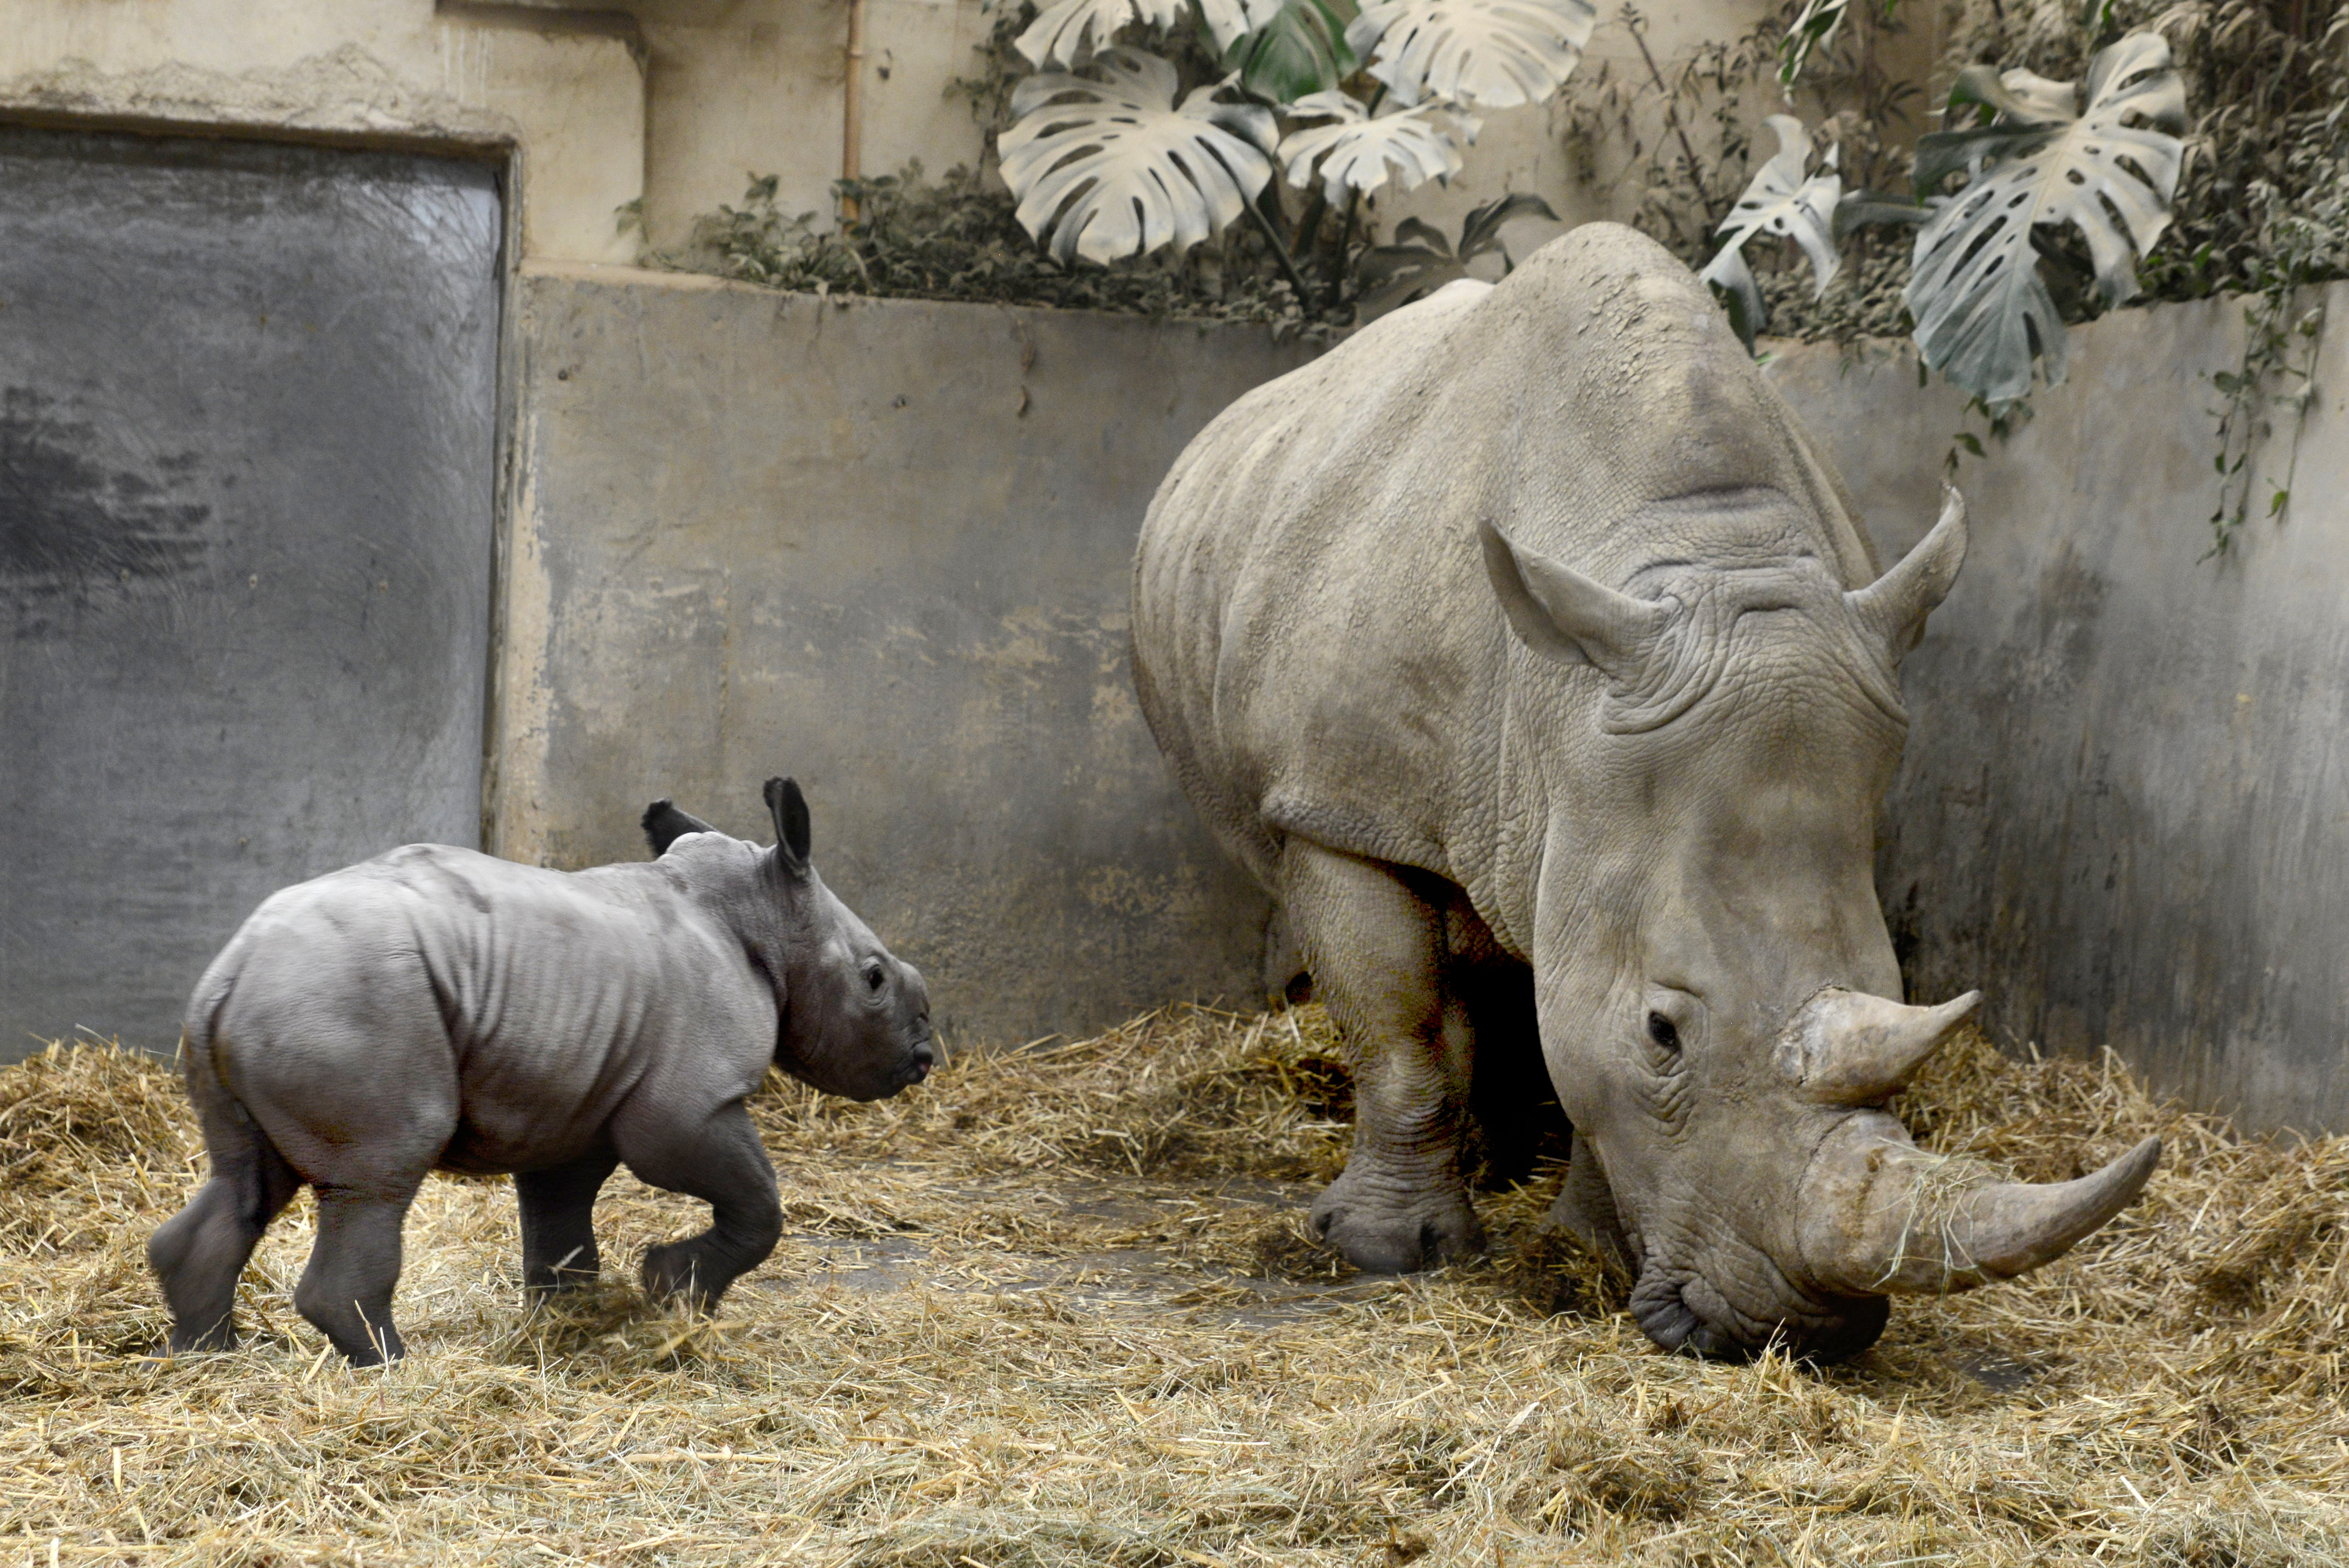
[1058, 1307]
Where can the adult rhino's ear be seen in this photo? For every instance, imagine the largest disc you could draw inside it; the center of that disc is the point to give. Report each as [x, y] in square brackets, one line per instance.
[788, 808]
[664, 825]
[1892, 610]
[1558, 611]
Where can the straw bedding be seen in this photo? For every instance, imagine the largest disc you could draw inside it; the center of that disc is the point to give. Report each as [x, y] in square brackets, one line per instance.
[1058, 1307]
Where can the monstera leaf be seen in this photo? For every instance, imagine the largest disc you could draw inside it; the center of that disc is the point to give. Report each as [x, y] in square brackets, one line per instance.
[1061, 29]
[1361, 151]
[1298, 52]
[1112, 168]
[1230, 20]
[1780, 201]
[1485, 53]
[1420, 260]
[1981, 305]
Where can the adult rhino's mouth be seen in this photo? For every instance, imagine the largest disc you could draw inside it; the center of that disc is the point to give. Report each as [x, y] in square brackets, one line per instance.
[1682, 1309]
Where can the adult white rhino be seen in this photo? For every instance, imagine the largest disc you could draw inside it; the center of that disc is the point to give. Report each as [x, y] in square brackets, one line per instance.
[1529, 628]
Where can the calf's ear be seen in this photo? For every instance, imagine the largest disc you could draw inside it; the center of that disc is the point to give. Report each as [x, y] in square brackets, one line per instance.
[664, 825]
[788, 808]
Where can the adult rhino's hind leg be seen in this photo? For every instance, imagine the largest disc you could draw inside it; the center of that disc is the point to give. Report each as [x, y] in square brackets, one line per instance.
[1376, 949]
[558, 1231]
[719, 1160]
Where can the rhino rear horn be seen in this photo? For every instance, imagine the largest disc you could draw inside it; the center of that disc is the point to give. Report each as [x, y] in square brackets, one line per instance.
[1560, 612]
[790, 809]
[1891, 610]
[664, 825]
[1848, 1048]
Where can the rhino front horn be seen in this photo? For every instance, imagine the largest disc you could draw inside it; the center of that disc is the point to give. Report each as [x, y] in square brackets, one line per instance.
[1848, 1048]
[1881, 1216]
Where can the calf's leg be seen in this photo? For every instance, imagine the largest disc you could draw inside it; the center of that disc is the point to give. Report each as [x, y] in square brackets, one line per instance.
[558, 1232]
[201, 1251]
[346, 1291]
[1376, 948]
[719, 1159]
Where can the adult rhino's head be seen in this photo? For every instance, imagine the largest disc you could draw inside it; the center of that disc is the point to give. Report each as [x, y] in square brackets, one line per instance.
[1712, 968]
[853, 1018]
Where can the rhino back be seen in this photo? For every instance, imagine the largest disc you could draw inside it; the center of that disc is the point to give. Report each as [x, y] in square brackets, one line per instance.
[536, 1000]
[1317, 646]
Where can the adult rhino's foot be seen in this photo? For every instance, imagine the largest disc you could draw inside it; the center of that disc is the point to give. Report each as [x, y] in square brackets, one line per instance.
[1386, 1226]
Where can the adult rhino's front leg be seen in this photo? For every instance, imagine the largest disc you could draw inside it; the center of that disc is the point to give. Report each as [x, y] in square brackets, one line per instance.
[1375, 949]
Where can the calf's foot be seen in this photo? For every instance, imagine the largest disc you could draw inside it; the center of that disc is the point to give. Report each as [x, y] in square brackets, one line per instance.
[675, 1271]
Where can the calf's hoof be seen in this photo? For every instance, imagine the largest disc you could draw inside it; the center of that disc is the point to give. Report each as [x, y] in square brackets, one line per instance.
[1389, 1232]
[671, 1276]
[558, 1282]
[221, 1335]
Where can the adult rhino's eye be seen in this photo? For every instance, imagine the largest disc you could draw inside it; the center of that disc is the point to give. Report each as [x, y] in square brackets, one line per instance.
[1660, 1031]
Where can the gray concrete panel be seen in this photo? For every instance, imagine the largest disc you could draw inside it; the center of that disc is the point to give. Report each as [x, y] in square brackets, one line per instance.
[247, 435]
[2124, 810]
[882, 546]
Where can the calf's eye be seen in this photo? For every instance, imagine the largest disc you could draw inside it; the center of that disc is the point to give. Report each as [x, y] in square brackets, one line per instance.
[1660, 1031]
[873, 977]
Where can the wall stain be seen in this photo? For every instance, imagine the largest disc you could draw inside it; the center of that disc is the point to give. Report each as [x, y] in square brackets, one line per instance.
[71, 529]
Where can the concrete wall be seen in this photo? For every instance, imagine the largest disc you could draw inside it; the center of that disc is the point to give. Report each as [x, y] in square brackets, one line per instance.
[2125, 807]
[881, 547]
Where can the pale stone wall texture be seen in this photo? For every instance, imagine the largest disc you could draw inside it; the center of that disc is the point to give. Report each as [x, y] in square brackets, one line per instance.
[881, 547]
[2123, 810]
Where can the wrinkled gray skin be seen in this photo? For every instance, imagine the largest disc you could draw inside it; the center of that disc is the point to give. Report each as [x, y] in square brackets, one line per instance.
[434, 1008]
[1525, 638]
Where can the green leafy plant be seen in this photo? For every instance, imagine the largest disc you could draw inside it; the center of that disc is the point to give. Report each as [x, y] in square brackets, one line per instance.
[1358, 150]
[1300, 51]
[1107, 166]
[1485, 53]
[1112, 168]
[1785, 201]
[959, 238]
[2104, 160]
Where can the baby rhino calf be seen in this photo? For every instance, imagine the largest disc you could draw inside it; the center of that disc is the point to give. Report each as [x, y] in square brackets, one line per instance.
[433, 1008]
